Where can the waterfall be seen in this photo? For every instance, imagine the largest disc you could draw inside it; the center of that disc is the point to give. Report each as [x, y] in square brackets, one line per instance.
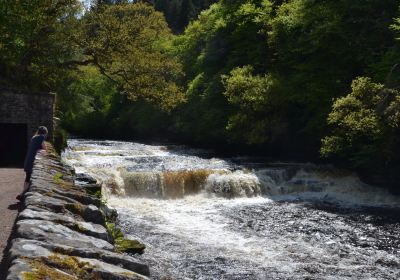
[204, 217]
[233, 184]
[168, 184]
[129, 169]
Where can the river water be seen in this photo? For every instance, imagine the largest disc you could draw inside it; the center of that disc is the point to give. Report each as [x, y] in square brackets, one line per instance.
[203, 217]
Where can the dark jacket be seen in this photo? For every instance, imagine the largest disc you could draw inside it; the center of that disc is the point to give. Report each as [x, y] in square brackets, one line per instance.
[34, 146]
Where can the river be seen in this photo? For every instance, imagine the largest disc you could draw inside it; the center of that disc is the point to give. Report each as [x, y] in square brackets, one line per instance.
[204, 217]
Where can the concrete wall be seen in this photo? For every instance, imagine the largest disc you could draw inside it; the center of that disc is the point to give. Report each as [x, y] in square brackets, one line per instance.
[31, 109]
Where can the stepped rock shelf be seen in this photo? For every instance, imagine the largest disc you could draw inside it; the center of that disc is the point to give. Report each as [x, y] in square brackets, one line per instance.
[62, 231]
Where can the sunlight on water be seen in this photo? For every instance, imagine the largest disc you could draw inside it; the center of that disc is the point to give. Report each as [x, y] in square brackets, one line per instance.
[203, 217]
[156, 171]
[193, 216]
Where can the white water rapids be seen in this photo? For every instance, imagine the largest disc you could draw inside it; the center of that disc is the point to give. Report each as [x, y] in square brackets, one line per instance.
[241, 218]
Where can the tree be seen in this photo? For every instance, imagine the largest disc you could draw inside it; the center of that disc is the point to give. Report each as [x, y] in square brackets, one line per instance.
[34, 41]
[179, 13]
[129, 45]
[320, 47]
[365, 127]
[257, 119]
[224, 37]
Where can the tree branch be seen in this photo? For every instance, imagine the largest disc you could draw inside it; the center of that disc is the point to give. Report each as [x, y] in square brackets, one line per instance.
[77, 62]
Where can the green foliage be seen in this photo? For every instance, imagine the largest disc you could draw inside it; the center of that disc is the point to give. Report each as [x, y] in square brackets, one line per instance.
[128, 44]
[84, 104]
[116, 233]
[92, 107]
[178, 13]
[60, 139]
[365, 125]
[253, 96]
[224, 37]
[52, 46]
[320, 47]
[265, 72]
[255, 72]
[35, 41]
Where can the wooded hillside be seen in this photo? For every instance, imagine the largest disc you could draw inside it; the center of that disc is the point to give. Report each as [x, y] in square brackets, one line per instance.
[299, 79]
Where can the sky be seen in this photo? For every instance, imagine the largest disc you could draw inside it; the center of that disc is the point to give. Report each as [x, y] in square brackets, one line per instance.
[86, 3]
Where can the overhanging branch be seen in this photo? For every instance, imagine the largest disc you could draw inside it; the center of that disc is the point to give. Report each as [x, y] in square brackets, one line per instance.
[77, 63]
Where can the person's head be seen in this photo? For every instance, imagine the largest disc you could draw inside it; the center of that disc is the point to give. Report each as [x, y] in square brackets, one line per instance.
[42, 130]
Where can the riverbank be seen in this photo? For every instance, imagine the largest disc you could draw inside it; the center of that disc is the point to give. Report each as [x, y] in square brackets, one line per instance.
[61, 232]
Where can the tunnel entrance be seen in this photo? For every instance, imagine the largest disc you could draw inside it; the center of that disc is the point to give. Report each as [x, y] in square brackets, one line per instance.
[13, 144]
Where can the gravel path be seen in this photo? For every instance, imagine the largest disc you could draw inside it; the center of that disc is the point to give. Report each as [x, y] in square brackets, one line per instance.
[11, 182]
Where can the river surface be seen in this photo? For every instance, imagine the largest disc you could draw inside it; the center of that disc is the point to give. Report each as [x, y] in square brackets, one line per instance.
[204, 217]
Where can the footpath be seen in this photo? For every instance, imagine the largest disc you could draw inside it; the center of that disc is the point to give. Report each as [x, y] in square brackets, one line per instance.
[11, 182]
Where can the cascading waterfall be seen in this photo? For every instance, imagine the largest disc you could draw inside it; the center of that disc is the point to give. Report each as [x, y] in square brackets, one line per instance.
[167, 184]
[234, 184]
[204, 217]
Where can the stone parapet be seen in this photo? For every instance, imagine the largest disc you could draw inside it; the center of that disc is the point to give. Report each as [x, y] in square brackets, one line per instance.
[62, 234]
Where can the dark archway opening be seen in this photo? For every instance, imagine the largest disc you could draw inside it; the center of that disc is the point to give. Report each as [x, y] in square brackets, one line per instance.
[13, 144]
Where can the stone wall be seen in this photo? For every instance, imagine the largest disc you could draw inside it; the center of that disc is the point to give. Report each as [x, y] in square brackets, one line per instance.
[62, 232]
[27, 108]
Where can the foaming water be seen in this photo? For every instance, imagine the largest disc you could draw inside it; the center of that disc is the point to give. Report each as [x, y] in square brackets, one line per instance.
[210, 218]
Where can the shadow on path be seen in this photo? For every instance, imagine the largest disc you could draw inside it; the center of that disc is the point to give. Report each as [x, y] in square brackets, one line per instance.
[15, 206]
[11, 182]
[5, 264]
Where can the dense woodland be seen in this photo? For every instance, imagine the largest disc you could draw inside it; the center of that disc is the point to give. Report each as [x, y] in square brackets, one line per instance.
[295, 79]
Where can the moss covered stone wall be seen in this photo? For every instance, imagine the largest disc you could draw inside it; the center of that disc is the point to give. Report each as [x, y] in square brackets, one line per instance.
[62, 231]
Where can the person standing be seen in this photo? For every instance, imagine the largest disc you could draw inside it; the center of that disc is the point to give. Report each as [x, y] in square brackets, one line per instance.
[36, 144]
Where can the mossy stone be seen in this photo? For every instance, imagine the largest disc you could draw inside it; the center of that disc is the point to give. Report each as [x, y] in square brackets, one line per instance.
[129, 246]
[59, 267]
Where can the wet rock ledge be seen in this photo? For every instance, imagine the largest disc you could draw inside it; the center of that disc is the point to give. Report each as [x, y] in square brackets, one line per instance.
[62, 234]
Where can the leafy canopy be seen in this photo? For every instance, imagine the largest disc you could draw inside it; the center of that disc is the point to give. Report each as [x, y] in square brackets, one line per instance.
[253, 95]
[365, 124]
[129, 44]
[34, 41]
